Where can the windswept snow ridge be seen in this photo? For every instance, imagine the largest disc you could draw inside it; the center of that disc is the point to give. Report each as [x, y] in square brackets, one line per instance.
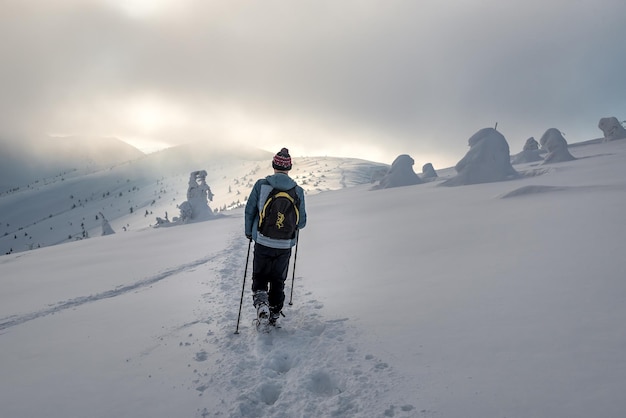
[534, 189]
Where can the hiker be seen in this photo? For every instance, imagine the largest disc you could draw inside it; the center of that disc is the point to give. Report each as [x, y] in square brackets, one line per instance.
[276, 203]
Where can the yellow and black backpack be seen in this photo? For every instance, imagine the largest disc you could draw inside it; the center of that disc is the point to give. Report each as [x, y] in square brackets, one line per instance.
[279, 216]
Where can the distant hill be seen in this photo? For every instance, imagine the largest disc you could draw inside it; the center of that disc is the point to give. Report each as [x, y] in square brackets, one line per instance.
[27, 160]
[132, 194]
[93, 151]
[191, 157]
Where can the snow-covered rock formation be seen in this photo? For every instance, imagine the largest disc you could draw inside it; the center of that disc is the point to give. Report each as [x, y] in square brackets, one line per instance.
[530, 152]
[428, 171]
[553, 142]
[106, 227]
[400, 174]
[487, 160]
[612, 129]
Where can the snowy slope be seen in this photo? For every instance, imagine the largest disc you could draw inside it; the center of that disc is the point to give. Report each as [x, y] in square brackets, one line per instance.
[133, 194]
[492, 300]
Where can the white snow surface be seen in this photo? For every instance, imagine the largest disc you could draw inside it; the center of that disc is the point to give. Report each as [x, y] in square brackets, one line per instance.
[503, 299]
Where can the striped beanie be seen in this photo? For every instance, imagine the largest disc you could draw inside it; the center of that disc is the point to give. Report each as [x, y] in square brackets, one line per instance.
[282, 160]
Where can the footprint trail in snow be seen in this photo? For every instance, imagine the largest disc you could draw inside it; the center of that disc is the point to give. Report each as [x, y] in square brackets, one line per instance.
[310, 367]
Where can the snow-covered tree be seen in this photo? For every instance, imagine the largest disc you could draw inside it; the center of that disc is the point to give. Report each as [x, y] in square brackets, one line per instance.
[612, 129]
[400, 174]
[106, 227]
[530, 152]
[556, 145]
[487, 160]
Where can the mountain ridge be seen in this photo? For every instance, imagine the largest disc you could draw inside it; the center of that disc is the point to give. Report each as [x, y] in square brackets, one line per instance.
[25, 161]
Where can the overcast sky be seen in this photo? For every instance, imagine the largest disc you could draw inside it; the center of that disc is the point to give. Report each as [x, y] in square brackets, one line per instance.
[361, 78]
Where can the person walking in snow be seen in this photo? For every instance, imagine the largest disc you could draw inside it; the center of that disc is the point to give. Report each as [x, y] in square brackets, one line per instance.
[274, 214]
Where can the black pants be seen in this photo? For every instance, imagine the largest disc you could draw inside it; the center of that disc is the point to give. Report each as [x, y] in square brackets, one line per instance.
[269, 268]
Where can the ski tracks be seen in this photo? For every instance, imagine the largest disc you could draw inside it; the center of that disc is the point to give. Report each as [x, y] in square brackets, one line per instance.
[310, 367]
[14, 320]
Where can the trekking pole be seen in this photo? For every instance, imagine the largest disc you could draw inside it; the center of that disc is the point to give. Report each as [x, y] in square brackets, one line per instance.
[293, 277]
[243, 287]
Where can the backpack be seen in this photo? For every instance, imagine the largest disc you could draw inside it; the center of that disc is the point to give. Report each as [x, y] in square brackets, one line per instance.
[280, 216]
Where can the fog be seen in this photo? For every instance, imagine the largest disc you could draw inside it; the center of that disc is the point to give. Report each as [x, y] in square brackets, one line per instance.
[367, 79]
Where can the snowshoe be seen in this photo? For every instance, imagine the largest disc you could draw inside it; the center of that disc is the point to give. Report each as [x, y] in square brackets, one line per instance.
[274, 318]
[263, 314]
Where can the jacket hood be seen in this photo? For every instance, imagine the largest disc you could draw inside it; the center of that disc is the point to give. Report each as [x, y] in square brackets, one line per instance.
[281, 181]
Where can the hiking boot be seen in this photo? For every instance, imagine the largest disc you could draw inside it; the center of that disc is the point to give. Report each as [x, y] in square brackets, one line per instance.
[260, 298]
[274, 317]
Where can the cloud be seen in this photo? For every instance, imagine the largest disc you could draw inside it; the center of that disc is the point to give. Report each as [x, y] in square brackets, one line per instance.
[361, 77]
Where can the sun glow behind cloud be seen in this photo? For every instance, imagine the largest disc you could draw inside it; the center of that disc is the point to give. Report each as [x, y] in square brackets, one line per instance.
[375, 80]
[150, 120]
[149, 114]
[153, 123]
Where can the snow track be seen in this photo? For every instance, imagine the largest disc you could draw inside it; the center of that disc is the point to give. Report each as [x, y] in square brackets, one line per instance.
[310, 367]
[14, 320]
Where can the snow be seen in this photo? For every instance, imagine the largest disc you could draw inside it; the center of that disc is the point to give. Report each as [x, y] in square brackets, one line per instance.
[502, 299]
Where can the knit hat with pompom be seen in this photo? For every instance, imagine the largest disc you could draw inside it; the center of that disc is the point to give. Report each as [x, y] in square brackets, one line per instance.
[282, 160]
